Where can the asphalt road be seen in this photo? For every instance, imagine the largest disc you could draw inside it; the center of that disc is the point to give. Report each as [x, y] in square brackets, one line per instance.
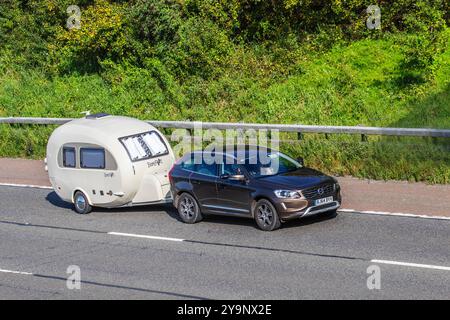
[322, 257]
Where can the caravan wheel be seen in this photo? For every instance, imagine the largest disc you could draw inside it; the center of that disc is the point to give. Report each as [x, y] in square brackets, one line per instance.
[81, 203]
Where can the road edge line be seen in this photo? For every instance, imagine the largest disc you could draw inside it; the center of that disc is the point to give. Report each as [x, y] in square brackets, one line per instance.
[410, 264]
[25, 186]
[394, 214]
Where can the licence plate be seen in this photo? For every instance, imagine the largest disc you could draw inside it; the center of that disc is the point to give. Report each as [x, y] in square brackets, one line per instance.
[323, 200]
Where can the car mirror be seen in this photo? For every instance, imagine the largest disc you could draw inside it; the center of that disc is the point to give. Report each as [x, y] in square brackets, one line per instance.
[301, 161]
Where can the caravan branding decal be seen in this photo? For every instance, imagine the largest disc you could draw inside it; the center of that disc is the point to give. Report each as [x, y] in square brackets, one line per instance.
[154, 163]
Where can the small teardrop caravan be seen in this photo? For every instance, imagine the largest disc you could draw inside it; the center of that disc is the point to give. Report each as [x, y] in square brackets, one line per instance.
[109, 161]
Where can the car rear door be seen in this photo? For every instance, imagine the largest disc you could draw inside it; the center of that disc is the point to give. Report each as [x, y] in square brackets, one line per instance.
[203, 180]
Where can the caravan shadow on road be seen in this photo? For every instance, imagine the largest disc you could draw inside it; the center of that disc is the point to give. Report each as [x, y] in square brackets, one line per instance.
[56, 201]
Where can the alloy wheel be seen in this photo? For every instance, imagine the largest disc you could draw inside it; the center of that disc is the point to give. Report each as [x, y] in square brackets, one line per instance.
[187, 207]
[265, 215]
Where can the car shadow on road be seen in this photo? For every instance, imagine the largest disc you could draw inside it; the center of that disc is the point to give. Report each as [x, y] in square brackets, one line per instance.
[318, 218]
[216, 219]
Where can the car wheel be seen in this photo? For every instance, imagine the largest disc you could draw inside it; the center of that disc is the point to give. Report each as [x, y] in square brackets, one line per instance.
[188, 209]
[266, 216]
[81, 203]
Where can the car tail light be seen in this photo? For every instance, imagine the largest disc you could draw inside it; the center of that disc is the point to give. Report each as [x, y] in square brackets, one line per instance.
[170, 174]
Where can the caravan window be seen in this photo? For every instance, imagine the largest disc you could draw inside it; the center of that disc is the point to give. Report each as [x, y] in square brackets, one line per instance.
[92, 158]
[69, 159]
[144, 145]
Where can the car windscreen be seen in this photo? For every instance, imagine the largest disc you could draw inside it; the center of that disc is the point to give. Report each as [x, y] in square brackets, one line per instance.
[272, 164]
[144, 145]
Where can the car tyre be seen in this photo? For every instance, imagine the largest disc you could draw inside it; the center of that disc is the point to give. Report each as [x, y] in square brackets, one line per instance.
[81, 203]
[266, 216]
[188, 209]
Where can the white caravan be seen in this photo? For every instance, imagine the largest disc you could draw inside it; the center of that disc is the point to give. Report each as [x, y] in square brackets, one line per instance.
[109, 161]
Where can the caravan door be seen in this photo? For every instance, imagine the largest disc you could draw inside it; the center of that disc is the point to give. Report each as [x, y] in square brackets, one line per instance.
[92, 174]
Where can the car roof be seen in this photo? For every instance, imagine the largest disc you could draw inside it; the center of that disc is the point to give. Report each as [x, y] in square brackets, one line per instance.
[238, 152]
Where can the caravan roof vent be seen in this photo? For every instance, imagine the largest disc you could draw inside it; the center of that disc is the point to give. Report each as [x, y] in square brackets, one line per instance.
[97, 115]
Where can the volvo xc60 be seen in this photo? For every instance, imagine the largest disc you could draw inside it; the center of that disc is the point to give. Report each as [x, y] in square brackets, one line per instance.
[252, 182]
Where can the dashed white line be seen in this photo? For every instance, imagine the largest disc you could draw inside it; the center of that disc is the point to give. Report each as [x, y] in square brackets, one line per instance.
[144, 236]
[398, 214]
[25, 186]
[399, 263]
[408, 264]
[16, 272]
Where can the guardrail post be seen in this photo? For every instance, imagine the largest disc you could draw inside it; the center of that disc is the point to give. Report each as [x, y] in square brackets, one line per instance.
[364, 138]
[299, 136]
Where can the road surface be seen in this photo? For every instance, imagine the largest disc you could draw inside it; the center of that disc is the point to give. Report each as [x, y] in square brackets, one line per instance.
[146, 253]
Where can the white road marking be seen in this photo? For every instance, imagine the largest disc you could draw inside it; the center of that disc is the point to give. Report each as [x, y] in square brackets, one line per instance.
[144, 236]
[25, 186]
[398, 214]
[16, 272]
[405, 264]
[408, 264]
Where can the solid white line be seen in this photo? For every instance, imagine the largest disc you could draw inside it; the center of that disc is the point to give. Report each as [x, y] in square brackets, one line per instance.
[16, 272]
[397, 214]
[144, 236]
[25, 186]
[407, 264]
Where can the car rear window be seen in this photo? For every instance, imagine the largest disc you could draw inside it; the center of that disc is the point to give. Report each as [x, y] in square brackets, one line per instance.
[187, 164]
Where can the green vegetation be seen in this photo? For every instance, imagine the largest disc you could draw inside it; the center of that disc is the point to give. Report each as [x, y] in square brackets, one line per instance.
[287, 61]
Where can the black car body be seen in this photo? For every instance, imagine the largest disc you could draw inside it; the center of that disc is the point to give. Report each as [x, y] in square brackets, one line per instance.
[235, 187]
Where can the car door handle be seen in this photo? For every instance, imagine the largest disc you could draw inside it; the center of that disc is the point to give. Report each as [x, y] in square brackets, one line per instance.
[195, 181]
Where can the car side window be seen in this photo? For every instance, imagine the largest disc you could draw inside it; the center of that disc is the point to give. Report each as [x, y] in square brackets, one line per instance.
[206, 169]
[231, 169]
[69, 157]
